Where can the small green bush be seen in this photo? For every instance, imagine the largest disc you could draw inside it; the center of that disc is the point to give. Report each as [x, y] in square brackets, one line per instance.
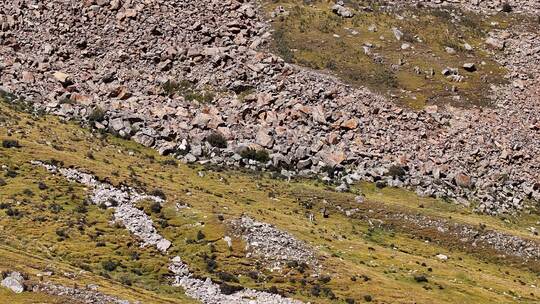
[217, 140]
[159, 193]
[507, 8]
[13, 212]
[396, 171]
[10, 143]
[109, 265]
[97, 115]
[62, 233]
[227, 277]
[200, 235]
[258, 155]
[155, 207]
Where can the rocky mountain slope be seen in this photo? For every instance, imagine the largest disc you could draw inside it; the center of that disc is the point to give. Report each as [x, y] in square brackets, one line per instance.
[279, 151]
[169, 75]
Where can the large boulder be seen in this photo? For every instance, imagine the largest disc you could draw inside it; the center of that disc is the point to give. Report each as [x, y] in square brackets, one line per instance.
[342, 11]
[14, 282]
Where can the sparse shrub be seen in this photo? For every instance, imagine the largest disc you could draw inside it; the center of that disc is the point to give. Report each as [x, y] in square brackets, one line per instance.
[227, 277]
[10, 143]
[258, 155]
[200, 235]
[187, 89]
[327, 292]
[163, 223]
[217, 140]
[13, 212]
[109, 265]
[170, 87]
[55, 208]
[90, 155]
[254, 275]
[159, 193]
[11, 173]
[273, 290]
[507, 8]
[125, 280]
[202, 97]
[42, 186]
[420, 278]
[155, 207]
[325, 279]
[368, 298]
[135, 256]
[302, 267]
[211, 263]
[62, 233]
[292, 264]
[81, 209]
[331, 65]
[229, 289]
[396, 171]
[28, 192]
[282, 46]
[315, 290]
[385, 78]
[169, 162]
[97, 115]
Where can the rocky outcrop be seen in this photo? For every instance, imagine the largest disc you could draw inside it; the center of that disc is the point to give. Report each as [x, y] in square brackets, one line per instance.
[210, 293]
[276, 247]
[147, 63]
[80, 295]
[13, 281]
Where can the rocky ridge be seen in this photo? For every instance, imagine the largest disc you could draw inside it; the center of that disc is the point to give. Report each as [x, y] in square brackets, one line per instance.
[307, 121]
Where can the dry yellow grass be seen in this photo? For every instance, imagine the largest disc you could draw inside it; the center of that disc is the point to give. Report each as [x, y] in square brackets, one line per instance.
[348, 247]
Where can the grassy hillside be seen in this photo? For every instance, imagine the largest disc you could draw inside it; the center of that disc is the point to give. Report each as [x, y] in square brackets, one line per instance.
[46, 224]
[363, 50]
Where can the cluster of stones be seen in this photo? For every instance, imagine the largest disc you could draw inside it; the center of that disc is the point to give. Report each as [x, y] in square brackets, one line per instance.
[209, 292]
[486, 6]
[276, 247]
[509, 245]
[150, 64]
[82, 295]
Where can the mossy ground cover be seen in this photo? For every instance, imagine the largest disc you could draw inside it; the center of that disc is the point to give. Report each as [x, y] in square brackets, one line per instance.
[50, 223]
[313, 36]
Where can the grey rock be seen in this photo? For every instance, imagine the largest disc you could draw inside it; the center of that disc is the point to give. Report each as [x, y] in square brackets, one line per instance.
[14, 282]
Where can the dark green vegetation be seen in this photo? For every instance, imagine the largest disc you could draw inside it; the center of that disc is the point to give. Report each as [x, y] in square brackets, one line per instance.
[46, 223]
[188, 90]
[364, 51]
